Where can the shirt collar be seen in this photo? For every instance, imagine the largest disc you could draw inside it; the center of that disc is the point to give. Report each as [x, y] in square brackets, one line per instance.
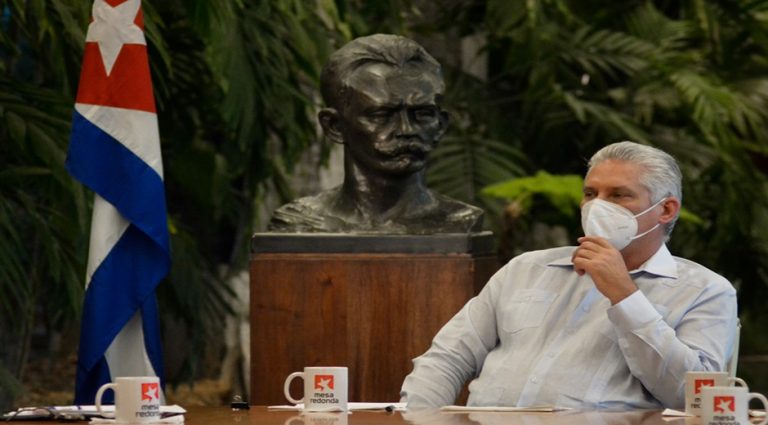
[660, 264]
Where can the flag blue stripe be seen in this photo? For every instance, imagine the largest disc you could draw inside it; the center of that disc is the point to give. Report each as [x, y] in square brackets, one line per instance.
[126, 279]
[114, 295]
[110, 169]
[89, 381]
[121, 284]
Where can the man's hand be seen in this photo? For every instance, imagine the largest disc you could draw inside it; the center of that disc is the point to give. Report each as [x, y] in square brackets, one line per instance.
[605, 265]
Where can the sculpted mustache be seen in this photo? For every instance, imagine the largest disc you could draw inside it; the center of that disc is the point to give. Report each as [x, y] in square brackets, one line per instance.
[415, 147]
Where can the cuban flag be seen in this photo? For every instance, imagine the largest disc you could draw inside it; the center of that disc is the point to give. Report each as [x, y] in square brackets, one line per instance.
[115, 151]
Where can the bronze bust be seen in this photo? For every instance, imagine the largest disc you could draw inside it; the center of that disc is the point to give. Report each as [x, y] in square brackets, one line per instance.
[383, 95]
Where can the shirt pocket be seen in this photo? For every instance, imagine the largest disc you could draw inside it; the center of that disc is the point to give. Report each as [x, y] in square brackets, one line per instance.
[527, 309]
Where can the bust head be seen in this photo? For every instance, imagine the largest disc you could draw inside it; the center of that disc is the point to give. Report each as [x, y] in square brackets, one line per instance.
[383, 94]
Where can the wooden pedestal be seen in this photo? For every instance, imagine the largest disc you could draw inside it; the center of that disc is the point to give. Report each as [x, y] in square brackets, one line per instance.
[371, 312]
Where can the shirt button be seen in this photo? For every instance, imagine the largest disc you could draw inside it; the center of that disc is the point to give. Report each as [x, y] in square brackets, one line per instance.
[550, 355]
[585, 308]
[534, 379]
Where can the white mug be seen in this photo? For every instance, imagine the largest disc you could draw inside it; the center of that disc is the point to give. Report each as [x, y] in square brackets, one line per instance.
[695, 381]
[137, 399]
[325, 388]
[728, 405]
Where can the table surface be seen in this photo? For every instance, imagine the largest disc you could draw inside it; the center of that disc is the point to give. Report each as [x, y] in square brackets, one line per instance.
[260, 415]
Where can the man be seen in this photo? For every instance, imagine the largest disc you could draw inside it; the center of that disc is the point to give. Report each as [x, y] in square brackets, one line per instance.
[612, 323]
[383, 94]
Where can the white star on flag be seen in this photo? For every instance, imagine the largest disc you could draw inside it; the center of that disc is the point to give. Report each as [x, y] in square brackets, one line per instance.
[112, 27]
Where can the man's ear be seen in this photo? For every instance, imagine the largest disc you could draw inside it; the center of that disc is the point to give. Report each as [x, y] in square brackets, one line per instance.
[444, 119]
[671, 209]
[329, 120]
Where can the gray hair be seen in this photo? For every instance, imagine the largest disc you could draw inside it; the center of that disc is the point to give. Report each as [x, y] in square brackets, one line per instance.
[661, 176]
[393, 50]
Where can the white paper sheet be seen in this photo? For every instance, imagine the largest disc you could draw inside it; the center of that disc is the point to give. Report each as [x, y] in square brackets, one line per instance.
[82, 410]
[502, 409]
[390, 406]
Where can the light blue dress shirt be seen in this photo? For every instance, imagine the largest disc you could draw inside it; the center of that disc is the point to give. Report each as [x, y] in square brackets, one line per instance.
[540, 334]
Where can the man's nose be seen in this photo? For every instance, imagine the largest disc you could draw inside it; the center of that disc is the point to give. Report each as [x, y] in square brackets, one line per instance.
[405, 123]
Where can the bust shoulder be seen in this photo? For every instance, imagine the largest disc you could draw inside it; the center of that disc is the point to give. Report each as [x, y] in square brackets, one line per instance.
[306, 214]
[321, 213]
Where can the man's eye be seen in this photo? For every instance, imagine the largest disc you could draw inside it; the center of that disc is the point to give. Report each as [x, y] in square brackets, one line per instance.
[425, 114]
[379, 116]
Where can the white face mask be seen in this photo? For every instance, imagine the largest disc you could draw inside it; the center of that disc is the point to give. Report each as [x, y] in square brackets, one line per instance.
[612, 222]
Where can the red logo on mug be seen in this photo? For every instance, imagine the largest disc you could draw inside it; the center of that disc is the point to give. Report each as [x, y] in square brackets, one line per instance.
[149, 392]
[724, 404]
[324, 383]
[702, 383]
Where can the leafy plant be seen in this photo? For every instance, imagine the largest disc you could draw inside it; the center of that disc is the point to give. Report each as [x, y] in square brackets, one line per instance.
[562, 192]
[42, 210]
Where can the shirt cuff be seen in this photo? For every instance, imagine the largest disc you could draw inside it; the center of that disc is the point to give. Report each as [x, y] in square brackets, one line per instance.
[633, 312]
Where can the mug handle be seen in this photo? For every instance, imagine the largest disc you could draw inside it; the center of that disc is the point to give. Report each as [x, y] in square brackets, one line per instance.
[100, 393]
[287, 387]
[738, 381]
[765, 406]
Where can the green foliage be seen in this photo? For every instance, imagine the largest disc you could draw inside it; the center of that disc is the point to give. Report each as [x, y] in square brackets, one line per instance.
[42, 210]
[562, 192]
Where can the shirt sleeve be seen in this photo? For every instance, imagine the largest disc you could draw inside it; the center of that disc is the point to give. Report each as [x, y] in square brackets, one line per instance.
[456, 354]
[660, 355]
